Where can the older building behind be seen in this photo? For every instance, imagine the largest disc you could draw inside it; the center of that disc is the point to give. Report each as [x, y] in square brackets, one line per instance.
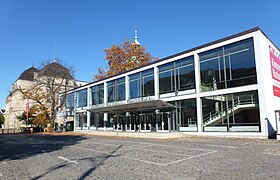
[29, 79]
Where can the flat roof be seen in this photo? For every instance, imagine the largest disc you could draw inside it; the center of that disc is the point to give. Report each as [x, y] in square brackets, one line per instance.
[136, 106]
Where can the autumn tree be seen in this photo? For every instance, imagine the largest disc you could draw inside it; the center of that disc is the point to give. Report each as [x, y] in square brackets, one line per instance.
[52, 79]
[124, 57]
[2, 119]
[40, 115]
[22, 117]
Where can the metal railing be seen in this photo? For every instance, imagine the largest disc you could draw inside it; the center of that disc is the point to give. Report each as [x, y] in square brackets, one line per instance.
[241, 100]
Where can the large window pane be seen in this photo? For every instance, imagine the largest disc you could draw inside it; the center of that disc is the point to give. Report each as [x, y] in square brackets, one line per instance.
[231, 112]
[187, 115]
[134, 86]
[111, 91]
[177, 76]
[120, 89]
[97, 94]
[81, 120]
[185, 74]
[148, 83]
[70, 100]
[166, 78]
[229, 66]
[82, 98]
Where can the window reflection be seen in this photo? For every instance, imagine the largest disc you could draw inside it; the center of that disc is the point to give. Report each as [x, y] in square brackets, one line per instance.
[231, 112]
[229, 66]
[116, 90]
[97, 94]
[177, 76]
[141, 84]
[82, 98]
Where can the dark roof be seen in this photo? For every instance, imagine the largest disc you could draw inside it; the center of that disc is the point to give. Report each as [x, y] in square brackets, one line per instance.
[28, 74]
[56, 69]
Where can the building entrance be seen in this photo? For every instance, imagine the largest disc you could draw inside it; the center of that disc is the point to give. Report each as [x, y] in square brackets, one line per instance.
[144, 122]
[163, 121]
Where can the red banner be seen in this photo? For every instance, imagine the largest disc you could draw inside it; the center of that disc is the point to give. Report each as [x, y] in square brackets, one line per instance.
[275, 70]
[27, 109]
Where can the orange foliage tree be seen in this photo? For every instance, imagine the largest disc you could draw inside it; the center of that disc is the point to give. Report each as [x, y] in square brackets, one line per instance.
[124, 57]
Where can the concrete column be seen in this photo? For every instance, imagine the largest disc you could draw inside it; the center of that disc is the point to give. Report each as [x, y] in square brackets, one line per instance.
[105, 94]
[197, 90]
[88, 120]
[156, 83]
[88, 97]
[126, 88]
[105, 120]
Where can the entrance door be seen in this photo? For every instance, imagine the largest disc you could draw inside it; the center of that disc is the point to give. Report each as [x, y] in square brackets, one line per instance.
[145, 122]
[163, 121]
[131, 125]
[118, 123]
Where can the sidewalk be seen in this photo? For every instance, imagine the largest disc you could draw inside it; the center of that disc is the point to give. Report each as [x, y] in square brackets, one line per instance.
[151, 135]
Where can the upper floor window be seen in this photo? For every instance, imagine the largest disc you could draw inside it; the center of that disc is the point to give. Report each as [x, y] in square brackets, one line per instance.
[116, 90]
[229, 66]
[177, 76]
[69, 100]
[82, 98]
[141, 84]
[97, 94]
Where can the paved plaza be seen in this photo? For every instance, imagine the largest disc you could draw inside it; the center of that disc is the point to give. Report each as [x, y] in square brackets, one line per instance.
[69, 156]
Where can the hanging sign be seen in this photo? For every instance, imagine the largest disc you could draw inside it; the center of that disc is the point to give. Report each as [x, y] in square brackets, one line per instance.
[275, 70]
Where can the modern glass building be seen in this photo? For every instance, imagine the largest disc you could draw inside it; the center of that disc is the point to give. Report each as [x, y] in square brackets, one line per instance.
[228, 87]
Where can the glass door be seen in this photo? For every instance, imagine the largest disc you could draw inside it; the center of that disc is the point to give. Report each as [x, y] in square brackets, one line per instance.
[163, 121]
[118, 123]
[145, 122]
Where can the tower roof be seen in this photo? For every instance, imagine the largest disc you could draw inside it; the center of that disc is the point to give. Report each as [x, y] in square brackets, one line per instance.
[28, 74]
[56, 69]
[136, 42]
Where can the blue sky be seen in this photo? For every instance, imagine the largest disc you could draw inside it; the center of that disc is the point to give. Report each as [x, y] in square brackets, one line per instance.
[82, 29]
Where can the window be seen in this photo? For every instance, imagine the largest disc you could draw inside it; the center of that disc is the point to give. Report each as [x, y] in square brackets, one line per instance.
[147, 83]
[69, 100]
[134, 86]
[82, 98]
[229, 66]
[97, 94]
[81, 120]
[187, 118]
[177, 76]
[120, 89]
[97, 120]
[231, 112]
[142, 84]
[116, 90]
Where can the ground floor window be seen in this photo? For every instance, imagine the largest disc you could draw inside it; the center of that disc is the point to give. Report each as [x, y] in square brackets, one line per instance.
[238, 112]
[81, 120]
[187, 118]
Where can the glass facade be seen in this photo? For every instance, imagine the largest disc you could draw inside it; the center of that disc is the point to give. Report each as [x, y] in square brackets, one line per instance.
[177, 76]
[97, 94]
[231, 112]
[82, 98]
[229, 66]
[141, 84]
[116, 90]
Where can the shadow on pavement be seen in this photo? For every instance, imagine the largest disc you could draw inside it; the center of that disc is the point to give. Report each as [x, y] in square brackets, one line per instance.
[96, 164]
[21, 146]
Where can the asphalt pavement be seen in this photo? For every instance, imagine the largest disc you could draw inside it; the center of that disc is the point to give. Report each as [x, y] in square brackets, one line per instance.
[75, 156]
